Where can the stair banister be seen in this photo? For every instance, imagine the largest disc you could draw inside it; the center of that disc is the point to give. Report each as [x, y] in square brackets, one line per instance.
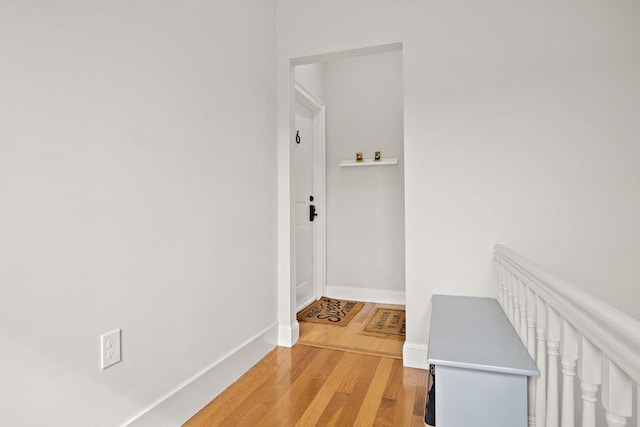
[570, 332]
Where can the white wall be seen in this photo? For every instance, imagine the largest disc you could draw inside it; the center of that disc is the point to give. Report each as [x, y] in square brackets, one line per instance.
[136, 142]
[520, 127]
[311, 76]
[365, 205]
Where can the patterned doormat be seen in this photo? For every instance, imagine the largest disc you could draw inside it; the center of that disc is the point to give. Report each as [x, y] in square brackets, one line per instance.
[386, 322]
[330, 311]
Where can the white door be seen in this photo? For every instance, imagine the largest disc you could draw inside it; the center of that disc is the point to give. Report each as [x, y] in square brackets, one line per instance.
[303, 195]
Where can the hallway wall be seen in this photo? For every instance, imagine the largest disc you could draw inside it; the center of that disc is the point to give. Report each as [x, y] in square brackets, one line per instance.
[136, 141]
[521, 128]
[365, 205]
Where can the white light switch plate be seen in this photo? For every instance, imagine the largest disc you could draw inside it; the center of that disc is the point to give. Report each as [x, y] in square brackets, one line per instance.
[109, 348]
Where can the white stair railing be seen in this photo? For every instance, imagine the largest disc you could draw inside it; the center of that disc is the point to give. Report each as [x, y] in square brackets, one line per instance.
[574, 338]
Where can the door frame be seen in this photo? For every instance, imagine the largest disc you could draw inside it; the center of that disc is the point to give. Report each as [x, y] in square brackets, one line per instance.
[317, 107]
[288, 328]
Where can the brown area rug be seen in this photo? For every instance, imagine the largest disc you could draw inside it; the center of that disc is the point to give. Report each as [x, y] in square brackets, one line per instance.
[330, 311]
[386, 322]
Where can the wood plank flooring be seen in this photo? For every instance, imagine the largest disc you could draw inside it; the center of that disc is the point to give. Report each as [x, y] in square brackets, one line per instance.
[313, 386]
[334, 376]
[349, 337]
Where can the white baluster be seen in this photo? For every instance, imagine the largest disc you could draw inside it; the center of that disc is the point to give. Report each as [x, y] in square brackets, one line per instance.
[616, 394]
[509, 282]
[498, 282]
[531, 348]
[523, 312]
[516, 305]
[569, 356]
[590, 373]
[531, 401]
[553, 344]
[501, 284]
[541, 362]
[531, 323]
[505, 293]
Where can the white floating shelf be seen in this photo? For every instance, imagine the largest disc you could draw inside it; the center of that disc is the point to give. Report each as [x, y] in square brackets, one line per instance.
[368, 162]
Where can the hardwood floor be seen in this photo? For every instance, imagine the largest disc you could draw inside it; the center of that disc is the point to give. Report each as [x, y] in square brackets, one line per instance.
[312, 386]
[334, 376]
[349, 337]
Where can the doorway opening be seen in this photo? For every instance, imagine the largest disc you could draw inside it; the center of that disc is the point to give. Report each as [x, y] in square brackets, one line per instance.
[359, 250]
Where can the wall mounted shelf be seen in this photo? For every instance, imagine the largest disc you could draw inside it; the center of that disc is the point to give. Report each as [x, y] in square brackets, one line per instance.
[369, 162]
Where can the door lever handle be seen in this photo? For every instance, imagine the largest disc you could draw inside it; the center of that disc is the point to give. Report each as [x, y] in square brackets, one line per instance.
[312, 213]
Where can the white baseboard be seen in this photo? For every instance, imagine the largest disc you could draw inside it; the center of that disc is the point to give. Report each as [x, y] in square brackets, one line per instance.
[383, 296]
[306, 303]
[288, 334]
[177, 406]
[414, 355]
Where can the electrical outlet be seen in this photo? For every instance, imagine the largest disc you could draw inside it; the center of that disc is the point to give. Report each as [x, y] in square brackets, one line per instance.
[109, 349]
